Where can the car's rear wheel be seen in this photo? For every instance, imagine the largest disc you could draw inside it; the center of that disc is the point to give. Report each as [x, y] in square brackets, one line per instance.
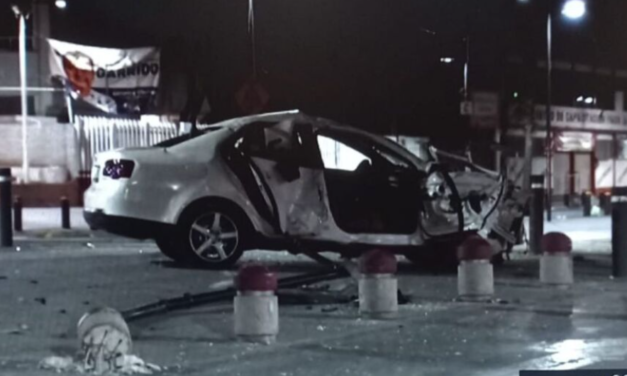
[212, 235]
[167, 246]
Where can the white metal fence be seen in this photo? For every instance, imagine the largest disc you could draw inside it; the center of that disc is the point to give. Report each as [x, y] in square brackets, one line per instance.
[98, 134]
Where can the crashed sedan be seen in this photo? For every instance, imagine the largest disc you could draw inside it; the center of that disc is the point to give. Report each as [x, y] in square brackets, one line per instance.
[269, 182]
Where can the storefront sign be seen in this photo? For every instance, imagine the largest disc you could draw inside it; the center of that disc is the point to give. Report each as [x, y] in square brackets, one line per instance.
[113, 80]
[573, 141]
[581, 118]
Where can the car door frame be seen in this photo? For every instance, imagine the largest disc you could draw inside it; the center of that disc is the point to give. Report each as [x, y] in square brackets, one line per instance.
[263, 196]
[335, 233]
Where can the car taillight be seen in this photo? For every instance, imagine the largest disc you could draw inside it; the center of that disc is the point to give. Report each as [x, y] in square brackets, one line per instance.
[118, 168]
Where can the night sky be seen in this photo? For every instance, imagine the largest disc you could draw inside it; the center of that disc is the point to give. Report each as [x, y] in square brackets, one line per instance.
[366, 62]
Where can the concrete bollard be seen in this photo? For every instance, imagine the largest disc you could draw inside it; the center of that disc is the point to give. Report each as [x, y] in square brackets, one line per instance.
[556, 263]
[378, 287]
[256, 307]
[475, 276]
[103, 336]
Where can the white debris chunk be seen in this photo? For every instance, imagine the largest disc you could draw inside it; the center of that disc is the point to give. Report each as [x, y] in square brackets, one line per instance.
[131, 364]
[122, 365]
[57, 363]
[221, 284]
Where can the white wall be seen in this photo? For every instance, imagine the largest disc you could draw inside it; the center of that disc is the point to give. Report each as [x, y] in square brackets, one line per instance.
[50, 144]
[10, 76]
[38, 71]
[10, 70]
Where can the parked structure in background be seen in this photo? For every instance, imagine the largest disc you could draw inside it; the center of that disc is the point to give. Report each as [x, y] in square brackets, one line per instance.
[589, 153]
[40, 103]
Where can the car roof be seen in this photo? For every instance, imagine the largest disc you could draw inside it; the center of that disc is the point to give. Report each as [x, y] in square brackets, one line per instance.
[238, 122]
[317, 122]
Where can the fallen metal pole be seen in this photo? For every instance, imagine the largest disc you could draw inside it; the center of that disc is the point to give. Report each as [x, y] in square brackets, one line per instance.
[194, 300]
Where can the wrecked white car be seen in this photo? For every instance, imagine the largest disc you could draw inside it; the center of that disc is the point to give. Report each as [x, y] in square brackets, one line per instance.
[267, 181]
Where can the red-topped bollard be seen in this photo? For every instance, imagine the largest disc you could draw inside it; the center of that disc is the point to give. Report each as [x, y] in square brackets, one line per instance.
[475, 276]
[377, 284]
[256, 307]
[556, 263]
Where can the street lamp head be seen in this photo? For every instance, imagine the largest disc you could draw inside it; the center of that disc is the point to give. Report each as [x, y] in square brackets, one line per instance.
[446, 60]
[574, 9]
[61, 4]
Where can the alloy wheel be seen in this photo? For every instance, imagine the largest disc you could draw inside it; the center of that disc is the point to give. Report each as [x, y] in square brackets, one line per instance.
[214, 237]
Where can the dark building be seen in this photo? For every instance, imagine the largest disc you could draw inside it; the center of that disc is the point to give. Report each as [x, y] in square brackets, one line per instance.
[393, 68]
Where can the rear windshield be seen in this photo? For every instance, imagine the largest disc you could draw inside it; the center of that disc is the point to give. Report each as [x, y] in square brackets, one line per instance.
[184, 137]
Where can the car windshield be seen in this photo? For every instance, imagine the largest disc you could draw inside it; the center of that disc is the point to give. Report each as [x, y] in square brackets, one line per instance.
[369, 187]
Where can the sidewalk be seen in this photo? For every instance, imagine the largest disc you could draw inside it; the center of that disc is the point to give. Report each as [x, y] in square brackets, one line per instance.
[589, 234]
[43, 224]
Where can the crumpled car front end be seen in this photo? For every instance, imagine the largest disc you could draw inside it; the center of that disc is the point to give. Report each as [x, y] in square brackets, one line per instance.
[476, 199]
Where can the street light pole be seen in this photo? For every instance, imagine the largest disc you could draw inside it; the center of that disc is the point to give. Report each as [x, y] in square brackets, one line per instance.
[572, 9]
[549, 138]
[466, 66]
[22, 16]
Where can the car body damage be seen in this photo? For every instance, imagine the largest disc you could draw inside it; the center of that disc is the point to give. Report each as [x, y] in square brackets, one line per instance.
[492, 205]
[279, 175]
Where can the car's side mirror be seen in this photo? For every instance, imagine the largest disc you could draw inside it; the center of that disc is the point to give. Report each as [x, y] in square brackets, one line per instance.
[288, 170]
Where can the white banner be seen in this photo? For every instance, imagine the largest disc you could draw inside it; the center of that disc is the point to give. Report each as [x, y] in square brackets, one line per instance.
[114, 80]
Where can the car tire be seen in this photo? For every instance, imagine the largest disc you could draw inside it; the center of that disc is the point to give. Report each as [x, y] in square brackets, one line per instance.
[167, 246]
[440, 257]
[212, 235]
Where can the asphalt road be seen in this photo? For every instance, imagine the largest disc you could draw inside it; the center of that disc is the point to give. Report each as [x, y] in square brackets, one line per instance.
[49, 284]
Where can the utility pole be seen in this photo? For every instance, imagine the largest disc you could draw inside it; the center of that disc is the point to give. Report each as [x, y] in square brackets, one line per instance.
[549, 133]
[22, 14]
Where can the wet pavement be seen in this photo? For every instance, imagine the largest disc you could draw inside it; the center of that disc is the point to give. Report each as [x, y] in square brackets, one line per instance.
[48, 285]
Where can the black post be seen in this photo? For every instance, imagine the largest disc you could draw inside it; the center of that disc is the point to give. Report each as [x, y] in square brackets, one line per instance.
[605, 203]
[536, 213]
[65, 213]
[84, 181]
[619, 235]
[586, 203]
[6, 227]
[17, 214]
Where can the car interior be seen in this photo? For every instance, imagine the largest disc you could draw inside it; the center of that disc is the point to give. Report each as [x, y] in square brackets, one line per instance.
[376, 192]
